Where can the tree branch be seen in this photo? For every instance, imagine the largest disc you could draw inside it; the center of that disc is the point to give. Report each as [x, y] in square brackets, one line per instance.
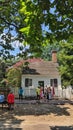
[8, 22]
[5, 2]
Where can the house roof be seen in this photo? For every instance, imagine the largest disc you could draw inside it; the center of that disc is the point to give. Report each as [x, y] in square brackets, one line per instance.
[40, 67]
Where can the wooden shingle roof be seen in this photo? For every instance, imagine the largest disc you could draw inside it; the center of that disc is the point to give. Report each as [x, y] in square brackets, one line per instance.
[41, 67]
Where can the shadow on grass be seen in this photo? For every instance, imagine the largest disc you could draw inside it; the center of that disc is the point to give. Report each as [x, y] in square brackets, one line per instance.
[62, 128]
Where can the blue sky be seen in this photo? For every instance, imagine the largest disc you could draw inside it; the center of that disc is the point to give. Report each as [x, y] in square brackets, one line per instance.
[15, 52]
[15, 44]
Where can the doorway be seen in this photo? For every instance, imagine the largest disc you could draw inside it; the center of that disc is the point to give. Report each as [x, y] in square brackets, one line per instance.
[41, 84]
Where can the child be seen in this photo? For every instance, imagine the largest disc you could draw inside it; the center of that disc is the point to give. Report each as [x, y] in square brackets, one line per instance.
[20, 92]
[41, 93]
[10, 100]
[49, 96]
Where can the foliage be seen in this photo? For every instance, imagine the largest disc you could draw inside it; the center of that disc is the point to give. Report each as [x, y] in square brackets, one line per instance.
[65, 58]
[10, 22]
[2, 69]
[39, 23]
[10, 18]
[40, 14]
[34, 22]
[47, 50]
[26, 64]
[5, 47]
[2, 73]
[9, 76]
[14, 77]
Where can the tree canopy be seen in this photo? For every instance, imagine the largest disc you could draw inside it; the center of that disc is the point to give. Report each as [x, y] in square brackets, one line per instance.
[14, 77]
[38, 23]
[65, 58]
[35, 21]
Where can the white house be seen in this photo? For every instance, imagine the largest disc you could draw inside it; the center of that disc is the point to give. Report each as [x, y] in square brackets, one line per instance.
[40, 72]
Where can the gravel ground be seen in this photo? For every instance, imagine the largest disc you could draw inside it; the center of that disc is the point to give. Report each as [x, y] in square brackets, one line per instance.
[37, 116]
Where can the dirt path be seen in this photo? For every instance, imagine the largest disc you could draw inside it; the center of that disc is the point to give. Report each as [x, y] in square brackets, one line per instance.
[37, 117]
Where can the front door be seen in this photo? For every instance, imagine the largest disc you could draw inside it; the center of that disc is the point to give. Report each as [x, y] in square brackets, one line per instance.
[41, 84]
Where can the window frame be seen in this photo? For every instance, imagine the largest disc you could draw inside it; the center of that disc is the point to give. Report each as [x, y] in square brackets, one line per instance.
[54, 82]
[28, 82]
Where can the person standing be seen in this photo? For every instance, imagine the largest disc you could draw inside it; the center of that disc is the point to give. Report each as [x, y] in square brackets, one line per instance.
[10, 100]
[38, 93]
[49, 93]
[41, 93]
[53, 91]
[45, 92]
[2, 97]
[20, 92]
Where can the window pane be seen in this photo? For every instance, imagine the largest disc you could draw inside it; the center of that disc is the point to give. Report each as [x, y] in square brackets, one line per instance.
[53, 82]
[28, 82]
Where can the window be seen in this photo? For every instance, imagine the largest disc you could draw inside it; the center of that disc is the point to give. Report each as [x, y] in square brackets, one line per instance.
[41, 83]
[54, 82]
[28, 82]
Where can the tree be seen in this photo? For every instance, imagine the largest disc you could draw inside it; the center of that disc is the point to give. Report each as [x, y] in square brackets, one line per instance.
[2, 73]
[5, 47]
[47, 50]
[10, 19]
[14, 77]
[35, 21]
[10, 22]
[39, 23]
[63, 12]
[39, 13]
[2, 69]
[65, 58]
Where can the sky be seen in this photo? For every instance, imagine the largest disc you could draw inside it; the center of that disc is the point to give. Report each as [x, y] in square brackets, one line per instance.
[15, 45]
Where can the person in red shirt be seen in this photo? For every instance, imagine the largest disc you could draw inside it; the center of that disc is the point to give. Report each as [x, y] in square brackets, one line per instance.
[10, 100]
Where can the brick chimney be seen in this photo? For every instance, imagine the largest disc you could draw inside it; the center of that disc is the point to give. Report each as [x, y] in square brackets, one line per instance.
[54, 56]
